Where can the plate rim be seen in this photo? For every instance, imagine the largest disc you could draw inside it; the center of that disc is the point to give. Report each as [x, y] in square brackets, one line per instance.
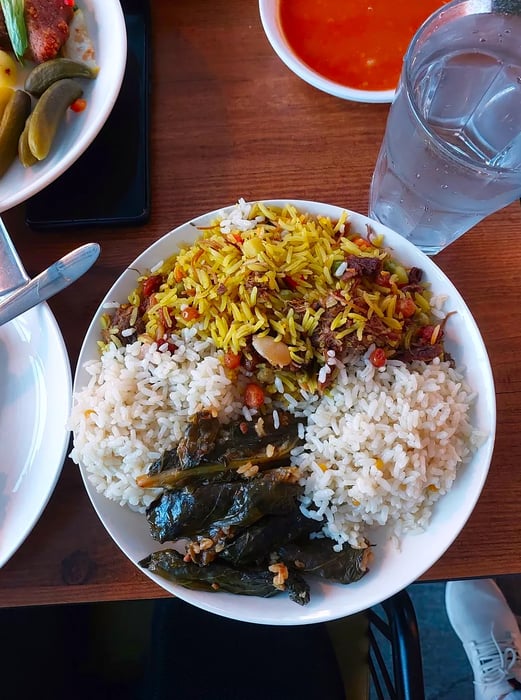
[38, 314]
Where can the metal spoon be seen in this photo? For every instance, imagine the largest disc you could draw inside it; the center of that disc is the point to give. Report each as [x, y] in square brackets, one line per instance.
[54, 279]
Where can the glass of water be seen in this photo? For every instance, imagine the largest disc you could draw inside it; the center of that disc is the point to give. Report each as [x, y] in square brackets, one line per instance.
[451, 153]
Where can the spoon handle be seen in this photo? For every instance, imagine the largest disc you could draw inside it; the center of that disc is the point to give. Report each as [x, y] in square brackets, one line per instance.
[49, 282]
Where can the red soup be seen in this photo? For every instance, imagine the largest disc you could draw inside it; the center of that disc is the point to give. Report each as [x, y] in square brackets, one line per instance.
[358, 43]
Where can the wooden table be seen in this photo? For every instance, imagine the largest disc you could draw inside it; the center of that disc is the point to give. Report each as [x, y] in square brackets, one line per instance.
[229, 120]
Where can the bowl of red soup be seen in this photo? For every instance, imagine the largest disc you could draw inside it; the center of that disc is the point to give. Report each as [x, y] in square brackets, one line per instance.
[352, 49]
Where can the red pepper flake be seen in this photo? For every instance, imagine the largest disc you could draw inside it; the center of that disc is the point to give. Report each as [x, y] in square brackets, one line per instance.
[290, 282]
[79, 105]
[151, 285]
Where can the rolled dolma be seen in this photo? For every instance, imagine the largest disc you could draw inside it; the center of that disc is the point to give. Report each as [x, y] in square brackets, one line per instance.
[189, 512]
[317, 557]
[260, 582]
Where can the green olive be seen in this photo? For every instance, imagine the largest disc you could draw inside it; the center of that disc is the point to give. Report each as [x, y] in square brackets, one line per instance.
[25, 155]
[11, 126]
[47, 73]
[48, 113]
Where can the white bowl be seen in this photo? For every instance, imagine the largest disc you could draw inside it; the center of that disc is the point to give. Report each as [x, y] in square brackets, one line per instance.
[107, 30]
[271, 25]
[394, 568]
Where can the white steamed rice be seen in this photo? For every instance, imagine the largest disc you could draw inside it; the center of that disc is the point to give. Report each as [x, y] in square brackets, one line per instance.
[379, 449]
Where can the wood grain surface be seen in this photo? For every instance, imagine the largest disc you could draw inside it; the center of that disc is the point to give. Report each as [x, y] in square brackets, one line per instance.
[229, 120]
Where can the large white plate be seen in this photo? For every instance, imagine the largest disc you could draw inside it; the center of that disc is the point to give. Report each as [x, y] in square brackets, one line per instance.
[393, 569]
[34, 407]
[107, 30]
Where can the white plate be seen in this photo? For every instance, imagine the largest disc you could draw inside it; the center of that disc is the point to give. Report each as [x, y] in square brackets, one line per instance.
[392, 570]
[107, 30]
[34, 407]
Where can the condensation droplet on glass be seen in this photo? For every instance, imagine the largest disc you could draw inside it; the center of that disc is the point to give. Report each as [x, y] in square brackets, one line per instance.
[482, 40]
[444, 187]
[507, 31]
[418, 176]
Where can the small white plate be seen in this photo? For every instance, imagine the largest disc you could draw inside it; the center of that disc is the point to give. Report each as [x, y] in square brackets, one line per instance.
[392, 569]
[107, 29]
[35, 402]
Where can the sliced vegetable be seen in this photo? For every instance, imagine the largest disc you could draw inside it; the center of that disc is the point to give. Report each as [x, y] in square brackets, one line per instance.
[79, 46]
[11, 126]
[8, 70]
[15, 23]
[25, 156]
[45, 74]
[274, 351]
[5, 95]
[48, 113]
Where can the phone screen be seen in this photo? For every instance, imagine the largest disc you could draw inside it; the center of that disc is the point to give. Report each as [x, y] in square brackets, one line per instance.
[109, 183]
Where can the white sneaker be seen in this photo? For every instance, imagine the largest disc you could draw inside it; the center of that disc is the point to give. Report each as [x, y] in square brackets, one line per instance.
[488, 630]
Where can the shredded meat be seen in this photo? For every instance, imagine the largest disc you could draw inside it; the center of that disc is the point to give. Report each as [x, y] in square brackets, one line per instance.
[425, 353]
[357, 266]
[414, 284]
[121, 321]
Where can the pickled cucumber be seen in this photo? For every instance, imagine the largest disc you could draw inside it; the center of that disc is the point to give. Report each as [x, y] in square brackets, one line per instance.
[5, 95]
[45, 74]
[25, 155]
[11, 126]
[48, 113]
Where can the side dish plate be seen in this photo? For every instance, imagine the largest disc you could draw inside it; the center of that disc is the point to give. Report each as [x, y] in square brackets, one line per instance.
[34, 405]
[107, 30]
[393, 569]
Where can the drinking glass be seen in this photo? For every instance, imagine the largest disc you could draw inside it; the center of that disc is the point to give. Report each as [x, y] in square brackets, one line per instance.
[451, 153]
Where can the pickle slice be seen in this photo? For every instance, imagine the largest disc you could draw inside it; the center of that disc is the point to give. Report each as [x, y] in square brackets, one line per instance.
[45, 74]
[48, 114]
[11, 126]
[25, 155]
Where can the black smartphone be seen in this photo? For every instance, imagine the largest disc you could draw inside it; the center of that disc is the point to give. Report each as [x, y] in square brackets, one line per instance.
[117, 162]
